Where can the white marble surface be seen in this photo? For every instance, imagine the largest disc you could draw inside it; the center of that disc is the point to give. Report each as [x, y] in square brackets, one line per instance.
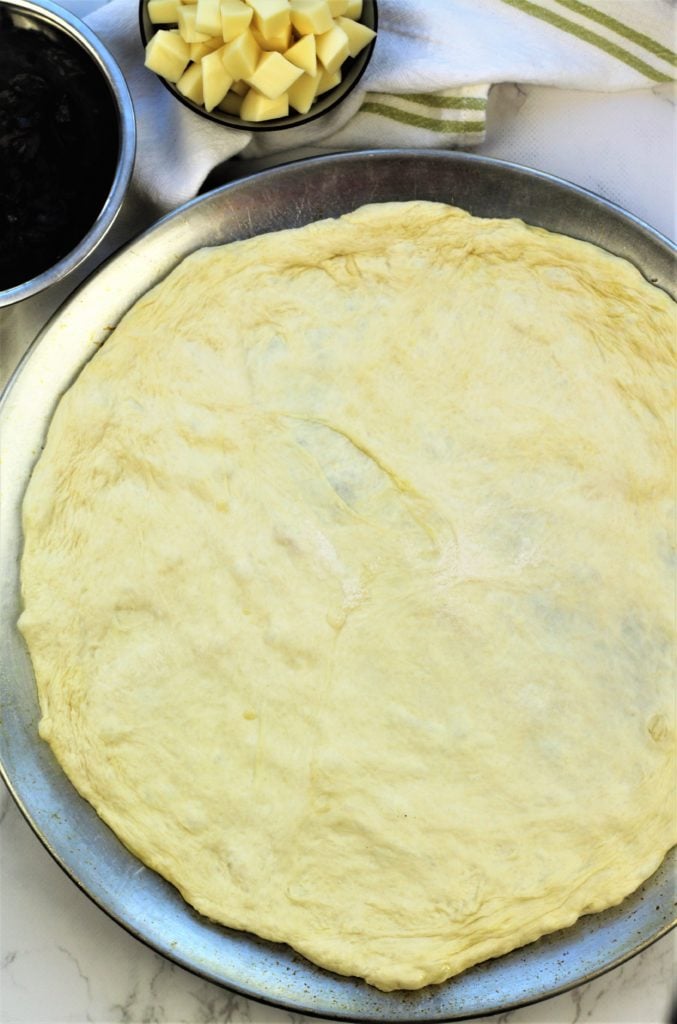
[61, 958]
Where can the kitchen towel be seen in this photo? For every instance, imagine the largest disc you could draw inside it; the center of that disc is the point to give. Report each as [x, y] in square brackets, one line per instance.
[427, 83]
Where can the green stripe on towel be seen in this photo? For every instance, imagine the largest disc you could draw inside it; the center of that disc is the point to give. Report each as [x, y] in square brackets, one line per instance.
[590, 37]
[622, 30]
[418, 121]
[431, 99]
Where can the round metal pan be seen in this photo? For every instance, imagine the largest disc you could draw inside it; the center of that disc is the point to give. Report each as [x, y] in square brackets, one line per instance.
[144, 903]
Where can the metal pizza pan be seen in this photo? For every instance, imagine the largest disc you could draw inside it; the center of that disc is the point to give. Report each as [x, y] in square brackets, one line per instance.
[144, 903]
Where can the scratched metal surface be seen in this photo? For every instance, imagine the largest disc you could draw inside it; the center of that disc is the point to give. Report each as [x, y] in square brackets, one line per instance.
[137, 898]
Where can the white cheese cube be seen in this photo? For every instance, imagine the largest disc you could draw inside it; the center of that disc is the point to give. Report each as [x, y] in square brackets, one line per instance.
[215, 79]
[273, 75]
[187, 20]
[163, 12]
[208, 17]
[332, 48]
[167, 54]
[301, 94]
[256, 107]
[280, 42]
[235, 18]
[337, 7]
[358, 35]
[353, 9]
[303, 55]
[328, 81]
[231, 103]
[311, 16]
[241, 56]
[190, 84]
[271, 17]
[200, 50]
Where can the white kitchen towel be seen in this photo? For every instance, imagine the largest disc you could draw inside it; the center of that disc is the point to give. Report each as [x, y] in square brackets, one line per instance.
[426, 85]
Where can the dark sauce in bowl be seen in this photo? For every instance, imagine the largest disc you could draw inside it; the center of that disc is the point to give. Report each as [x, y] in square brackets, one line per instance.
[59, 143]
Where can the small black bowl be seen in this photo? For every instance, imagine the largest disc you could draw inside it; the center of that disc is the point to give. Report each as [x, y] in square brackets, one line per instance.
[353, 69]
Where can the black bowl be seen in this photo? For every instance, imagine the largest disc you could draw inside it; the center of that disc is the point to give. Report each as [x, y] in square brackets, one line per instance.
[352, 69]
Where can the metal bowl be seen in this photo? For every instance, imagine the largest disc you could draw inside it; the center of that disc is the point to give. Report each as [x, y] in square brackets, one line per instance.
[143, 902]
[352, 70]
[56, 23]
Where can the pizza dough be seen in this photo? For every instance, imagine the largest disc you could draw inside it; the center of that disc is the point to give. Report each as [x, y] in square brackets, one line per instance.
[349, 586]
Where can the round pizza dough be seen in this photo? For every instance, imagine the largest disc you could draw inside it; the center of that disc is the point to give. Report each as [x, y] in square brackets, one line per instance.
[349, 586]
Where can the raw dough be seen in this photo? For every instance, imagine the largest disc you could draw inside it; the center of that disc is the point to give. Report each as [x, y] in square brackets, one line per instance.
[349, 586]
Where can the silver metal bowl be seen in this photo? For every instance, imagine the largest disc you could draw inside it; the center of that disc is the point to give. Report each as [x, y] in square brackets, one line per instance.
[143, 902]
[53, 20]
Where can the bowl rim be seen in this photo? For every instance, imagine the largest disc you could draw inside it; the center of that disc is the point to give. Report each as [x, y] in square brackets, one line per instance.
[361, 62]
[73, 27]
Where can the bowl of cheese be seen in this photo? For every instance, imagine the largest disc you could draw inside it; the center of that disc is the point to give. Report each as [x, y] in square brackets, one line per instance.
[259, 65]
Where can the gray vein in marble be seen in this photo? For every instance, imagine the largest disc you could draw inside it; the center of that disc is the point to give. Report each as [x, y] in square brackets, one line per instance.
[145, 1001]
[162, 967]
[576, 998]
[76, 963]
[215, 1007]
[125, 1012]
[6, 968]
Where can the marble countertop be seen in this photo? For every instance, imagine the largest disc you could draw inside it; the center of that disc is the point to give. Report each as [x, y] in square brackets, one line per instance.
[61, 958]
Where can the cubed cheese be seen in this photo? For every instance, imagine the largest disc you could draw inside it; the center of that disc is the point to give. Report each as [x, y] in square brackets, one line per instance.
[256, 107]
[215, 79]
[187, 21]
[163, 12]
[199, 50]
[328, 81]
[241, 56]
[354, 9]
[167, 54]
[280, 42]
[273, 75]
[303, 55]
[337, 7]
[190, 84]
[235, 18]
[208, 17]
[271, 17]
[359, 35]
[303, 91]
[332, 48]
[310, 16]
